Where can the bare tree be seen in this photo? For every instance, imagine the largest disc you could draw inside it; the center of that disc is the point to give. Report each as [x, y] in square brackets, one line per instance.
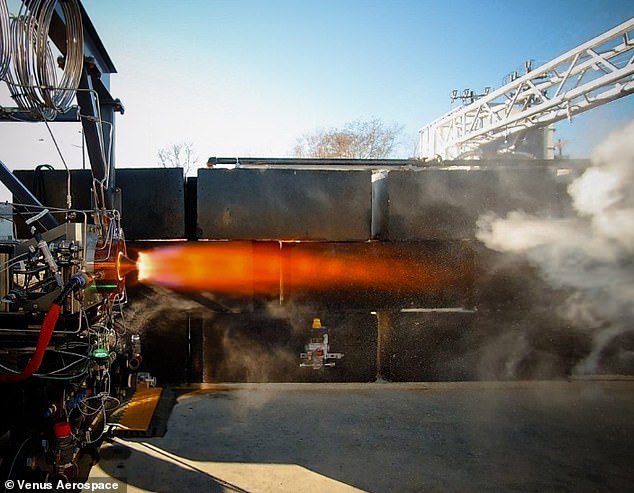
[180, 155]
[356, 140]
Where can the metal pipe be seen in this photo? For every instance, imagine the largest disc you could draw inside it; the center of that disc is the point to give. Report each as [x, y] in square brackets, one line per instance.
[316, 163]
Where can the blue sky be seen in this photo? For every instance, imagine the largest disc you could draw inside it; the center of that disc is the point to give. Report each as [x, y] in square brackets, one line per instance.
[247, 78]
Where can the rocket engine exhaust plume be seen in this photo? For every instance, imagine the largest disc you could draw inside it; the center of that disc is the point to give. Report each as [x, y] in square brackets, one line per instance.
[244, 268]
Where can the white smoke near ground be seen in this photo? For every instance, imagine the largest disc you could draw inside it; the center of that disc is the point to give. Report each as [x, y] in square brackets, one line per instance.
[143, 310]
[590, 254]
[253, 360]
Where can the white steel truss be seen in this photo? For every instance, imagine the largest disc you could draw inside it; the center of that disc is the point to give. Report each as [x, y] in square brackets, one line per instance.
[596, 72]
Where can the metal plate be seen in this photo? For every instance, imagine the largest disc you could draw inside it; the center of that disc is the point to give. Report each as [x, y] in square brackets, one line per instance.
[153, 203]
[445, 204]
[50, 187]
[284, 204]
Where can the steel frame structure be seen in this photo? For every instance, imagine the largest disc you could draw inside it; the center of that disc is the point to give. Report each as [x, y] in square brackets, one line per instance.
[96, 110]
[594, 73]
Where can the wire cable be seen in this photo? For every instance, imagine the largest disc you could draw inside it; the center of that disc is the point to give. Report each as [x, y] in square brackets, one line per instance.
[5, 39]
[73, 60]
[32, 75]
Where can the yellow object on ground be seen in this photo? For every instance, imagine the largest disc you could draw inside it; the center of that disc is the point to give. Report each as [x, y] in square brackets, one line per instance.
[139, 411]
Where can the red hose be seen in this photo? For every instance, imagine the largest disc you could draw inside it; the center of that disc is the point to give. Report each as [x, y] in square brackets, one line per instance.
[46, 331]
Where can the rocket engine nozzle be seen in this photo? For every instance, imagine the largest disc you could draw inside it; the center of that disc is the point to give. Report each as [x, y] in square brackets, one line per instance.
[111, 265]
[125, 265]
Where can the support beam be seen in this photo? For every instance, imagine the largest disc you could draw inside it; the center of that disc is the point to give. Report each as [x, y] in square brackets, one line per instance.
[18, 115]
[97, 109]
[93, 47]
[93, 131]
[384, 345]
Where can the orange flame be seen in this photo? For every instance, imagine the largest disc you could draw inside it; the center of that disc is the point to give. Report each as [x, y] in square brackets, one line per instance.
[265, 268]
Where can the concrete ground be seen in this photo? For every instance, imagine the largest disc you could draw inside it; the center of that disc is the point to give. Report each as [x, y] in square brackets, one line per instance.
[514, 436]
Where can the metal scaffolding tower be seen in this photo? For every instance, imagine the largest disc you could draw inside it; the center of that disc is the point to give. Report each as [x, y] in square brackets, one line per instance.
[594, 73]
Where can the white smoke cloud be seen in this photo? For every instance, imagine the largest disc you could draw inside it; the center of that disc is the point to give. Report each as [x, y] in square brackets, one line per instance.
[591, 253]
[604, 192]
